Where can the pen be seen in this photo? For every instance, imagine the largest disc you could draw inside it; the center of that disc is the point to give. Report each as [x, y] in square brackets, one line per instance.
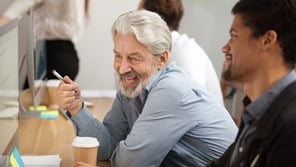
[63, 112]
[57, 75]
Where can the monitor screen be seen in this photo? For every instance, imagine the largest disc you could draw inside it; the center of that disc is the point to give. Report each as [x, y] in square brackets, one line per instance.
[9, 88]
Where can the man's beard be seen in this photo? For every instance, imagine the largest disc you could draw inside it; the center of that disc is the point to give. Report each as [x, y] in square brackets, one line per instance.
[227, 73]
[134, 92]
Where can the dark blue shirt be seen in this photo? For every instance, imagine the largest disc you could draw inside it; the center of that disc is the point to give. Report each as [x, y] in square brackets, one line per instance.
[254, 111]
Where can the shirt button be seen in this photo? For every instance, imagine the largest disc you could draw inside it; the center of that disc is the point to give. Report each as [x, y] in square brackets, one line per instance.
[240, 149]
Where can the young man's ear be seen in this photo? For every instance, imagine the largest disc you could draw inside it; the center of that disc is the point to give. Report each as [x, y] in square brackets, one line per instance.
[269, 38]
[163, 59]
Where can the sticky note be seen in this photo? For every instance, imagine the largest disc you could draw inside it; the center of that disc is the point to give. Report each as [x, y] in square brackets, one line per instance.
[38, 108]
[15, 159]
[51, 114]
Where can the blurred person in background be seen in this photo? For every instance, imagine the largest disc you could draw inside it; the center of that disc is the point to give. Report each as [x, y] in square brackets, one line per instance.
[59, 24]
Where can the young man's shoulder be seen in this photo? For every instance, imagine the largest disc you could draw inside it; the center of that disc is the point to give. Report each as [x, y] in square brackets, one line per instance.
[286, 103]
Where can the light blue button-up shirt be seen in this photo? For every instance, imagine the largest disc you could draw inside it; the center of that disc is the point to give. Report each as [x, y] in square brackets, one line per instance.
[174, 122]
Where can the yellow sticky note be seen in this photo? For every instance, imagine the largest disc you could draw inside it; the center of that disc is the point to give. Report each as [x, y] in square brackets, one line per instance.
[15, 159]
[38, 108]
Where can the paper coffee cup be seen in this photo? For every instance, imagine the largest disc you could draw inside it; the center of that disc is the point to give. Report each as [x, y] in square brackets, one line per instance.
[52, 86]
[85, 149]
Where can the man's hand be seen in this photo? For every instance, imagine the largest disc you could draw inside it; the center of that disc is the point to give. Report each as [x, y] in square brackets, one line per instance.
[69, 97]
[4, 20]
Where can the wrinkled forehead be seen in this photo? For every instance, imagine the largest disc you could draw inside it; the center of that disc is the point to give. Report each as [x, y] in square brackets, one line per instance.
[128, 43]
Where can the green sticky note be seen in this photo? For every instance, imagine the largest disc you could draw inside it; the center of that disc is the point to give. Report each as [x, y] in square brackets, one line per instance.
[15, 159]
[52, 114]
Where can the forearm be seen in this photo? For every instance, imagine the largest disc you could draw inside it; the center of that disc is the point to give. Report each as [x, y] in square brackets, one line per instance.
[19, 7]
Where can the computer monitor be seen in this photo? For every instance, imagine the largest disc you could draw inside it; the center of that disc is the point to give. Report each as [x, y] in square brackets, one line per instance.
[9, 88]
[35, 62]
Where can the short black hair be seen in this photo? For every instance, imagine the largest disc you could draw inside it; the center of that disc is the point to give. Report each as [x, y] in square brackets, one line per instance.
[277, 15]
[171, 11]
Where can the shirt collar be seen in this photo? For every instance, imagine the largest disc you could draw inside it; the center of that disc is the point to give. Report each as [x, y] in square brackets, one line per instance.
[257, 108]
[154, 80]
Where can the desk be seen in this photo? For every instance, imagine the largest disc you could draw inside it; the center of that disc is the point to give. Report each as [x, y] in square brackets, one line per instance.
[44, 137]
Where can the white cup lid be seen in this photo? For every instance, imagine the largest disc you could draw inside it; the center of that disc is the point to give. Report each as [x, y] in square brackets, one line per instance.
[86, 142]
[53, 83]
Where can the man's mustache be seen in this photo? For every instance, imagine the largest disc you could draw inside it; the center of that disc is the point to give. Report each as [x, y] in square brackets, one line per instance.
[130, 74]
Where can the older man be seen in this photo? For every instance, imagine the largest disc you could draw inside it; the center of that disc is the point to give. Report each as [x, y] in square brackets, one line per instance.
[160, 117]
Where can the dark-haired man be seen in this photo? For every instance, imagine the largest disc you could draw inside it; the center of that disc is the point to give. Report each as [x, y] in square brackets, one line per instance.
[261, 55]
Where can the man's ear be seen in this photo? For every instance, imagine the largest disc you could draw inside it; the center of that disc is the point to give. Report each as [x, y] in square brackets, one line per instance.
[269, 38]
[163, 59]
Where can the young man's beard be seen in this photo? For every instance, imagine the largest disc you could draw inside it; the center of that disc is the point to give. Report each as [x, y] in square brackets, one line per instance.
[227, 75]
[134, 92]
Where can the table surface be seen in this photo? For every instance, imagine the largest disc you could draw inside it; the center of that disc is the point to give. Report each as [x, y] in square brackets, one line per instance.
[54, 136]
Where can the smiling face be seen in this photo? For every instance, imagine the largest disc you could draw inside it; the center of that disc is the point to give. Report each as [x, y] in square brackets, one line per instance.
[242, 53]
[134, 64]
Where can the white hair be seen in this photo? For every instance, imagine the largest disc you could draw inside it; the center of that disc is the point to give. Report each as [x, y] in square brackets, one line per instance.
[148, 27]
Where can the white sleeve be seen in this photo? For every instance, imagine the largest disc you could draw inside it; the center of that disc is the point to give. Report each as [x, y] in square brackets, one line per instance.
[190, 57]
[19, 7]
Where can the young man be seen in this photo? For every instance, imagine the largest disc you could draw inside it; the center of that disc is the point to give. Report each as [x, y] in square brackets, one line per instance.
[185, 51]
[261, 55]
[160, 117]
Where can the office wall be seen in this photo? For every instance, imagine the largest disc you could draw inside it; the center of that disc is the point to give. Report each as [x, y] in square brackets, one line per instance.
[207, 21]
